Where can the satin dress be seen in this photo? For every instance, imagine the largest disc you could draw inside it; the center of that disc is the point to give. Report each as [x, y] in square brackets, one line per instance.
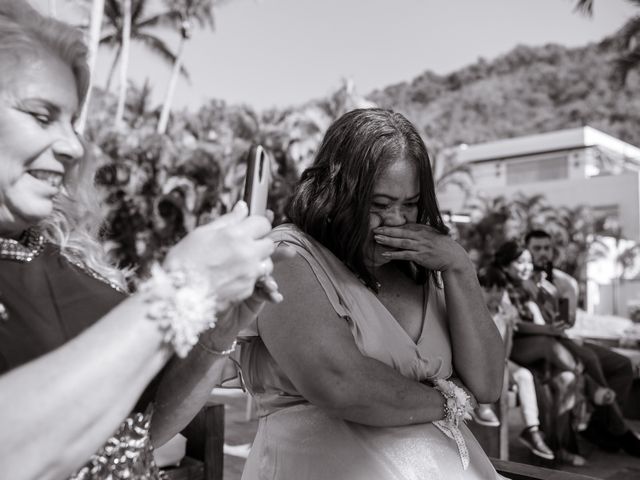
[297, 440]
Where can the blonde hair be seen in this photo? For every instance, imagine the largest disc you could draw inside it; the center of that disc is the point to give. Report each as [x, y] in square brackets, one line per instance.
[75, 223]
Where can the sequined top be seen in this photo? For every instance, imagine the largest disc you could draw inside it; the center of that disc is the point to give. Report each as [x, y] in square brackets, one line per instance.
[45, 301]
[127, 455]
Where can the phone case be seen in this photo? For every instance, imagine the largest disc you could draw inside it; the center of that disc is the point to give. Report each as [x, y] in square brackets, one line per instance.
[256, 187]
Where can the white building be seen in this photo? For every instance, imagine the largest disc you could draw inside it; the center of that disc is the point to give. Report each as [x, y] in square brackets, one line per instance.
[578, 166]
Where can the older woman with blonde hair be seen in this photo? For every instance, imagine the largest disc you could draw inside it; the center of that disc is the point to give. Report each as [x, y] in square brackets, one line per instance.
[79, 358]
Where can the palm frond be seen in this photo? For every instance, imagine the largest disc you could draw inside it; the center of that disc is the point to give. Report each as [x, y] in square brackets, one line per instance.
[137, 10]
[199, 11]
[170, 19]
[584, 7]
[628, 32]
[202, 13]
[113, 13]
[624, 64]
[160, 48]
[111, 38]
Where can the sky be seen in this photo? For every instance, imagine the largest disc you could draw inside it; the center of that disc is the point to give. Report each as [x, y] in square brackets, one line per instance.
[268, 53]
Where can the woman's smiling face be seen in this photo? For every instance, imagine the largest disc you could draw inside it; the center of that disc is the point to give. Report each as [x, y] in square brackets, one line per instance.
[38, 106]
[521, 267]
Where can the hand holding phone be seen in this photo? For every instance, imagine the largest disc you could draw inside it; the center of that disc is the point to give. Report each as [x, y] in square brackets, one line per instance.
[257, 180]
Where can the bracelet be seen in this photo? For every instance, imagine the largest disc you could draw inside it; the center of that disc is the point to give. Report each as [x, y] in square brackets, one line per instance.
[228, 351]
[457, 402]
[182, 304]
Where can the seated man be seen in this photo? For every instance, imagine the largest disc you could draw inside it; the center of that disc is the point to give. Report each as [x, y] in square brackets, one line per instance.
[614, 372]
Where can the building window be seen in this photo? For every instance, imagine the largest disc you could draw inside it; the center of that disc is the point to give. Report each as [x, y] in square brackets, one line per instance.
[537, 170]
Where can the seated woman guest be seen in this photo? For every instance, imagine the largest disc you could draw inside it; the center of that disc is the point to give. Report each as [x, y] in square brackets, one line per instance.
[494, 284]
[354, 374]
[538, 347]
[75, 353]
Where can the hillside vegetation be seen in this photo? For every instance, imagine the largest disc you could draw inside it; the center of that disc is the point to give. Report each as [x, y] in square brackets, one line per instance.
[528, 90]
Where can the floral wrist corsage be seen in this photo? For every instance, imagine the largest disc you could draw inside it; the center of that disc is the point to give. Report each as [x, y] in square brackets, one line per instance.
[457, 408]
[182, 303]
[457, 402]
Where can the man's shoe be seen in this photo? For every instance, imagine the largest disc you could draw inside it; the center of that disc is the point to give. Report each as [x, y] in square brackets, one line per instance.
[630, 443]
[483, 415]
[534, 441]
[572, 459]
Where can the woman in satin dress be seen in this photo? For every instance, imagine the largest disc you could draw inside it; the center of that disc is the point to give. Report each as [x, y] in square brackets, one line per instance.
[379, 302]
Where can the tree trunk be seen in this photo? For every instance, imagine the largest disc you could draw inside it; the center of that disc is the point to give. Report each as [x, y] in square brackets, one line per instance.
[97, 12]
[124, 63]
[166, 107]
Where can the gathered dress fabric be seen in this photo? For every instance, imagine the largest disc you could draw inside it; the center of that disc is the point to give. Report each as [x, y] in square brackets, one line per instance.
[45, 301]
[297, 440]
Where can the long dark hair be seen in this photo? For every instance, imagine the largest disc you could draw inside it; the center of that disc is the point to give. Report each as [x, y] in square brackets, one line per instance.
[331, 201]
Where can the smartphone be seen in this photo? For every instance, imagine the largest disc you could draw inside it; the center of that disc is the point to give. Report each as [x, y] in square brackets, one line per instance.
[563, 311]
[256, 185]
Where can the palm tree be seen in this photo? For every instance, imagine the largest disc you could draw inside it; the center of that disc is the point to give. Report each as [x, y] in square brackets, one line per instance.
[95, 24]
[533, 211]
[200, 11]
[492, 222]
[124, 64]
[449, 171]
[141, 31]
[627, 42]
[628, 39]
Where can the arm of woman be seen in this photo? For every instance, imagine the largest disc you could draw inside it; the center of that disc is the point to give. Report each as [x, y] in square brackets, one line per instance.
[478, 350]
[536, 329]
[89, 385]
[315, 349]
[186, 384]
[59, 409]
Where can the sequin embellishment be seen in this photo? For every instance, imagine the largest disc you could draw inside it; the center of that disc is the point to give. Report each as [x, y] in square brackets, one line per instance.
[94, 274]
[128, 454]
[25, 249]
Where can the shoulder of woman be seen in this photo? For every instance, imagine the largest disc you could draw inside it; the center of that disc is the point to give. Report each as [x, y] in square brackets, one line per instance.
[290, 234]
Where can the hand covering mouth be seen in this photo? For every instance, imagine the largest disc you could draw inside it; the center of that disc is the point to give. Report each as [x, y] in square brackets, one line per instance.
[52, 178]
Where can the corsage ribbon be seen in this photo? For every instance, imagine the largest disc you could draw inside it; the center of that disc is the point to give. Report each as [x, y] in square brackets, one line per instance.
[455, 434]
